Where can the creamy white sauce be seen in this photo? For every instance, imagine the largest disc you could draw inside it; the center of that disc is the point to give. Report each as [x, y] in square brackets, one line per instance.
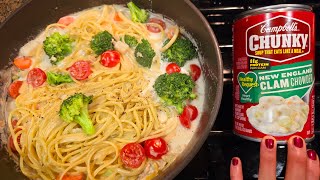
[181, 136]
[184, 135]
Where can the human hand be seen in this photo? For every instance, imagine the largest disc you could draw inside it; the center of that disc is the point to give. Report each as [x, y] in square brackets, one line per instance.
[301, 163]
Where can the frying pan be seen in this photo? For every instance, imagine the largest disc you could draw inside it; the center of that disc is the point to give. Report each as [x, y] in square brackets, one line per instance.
[34, 15]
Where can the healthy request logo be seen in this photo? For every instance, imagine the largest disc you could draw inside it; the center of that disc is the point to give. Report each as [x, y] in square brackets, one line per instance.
[247, 81]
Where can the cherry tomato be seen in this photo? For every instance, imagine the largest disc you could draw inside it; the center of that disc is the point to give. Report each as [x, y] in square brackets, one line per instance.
[153, 28]
[172, 68]
[192, 110]
[188, 114]
[185, 118]
[155, 148]
[14, 123]
[132, 155]
[110, 58]
[66, 20]
[171, 32]
[80, 70]
[36, 77]
[195, 71]
[72, 177]
[117, 17]
[22, 62]
[11, 144]
[14, 89]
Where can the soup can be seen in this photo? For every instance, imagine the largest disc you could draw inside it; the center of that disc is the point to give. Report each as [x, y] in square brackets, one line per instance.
[273, 72]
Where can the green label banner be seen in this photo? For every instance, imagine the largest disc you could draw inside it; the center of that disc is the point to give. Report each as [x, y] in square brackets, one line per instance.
[284, 80]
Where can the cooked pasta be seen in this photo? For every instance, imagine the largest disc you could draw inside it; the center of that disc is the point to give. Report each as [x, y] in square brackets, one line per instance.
[124, 107]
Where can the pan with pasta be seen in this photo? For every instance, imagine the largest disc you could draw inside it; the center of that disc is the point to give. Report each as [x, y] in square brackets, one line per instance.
[111, 92]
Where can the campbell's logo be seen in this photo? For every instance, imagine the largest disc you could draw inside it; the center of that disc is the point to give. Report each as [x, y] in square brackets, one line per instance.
[289, 26]
[278, 39]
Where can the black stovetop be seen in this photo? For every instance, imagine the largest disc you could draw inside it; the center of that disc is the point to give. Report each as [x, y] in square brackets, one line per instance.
[213, 160]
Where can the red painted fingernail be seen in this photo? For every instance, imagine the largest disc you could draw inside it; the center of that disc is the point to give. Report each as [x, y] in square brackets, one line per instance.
[269, 143]
[235, 161]
[312, 154]
[298, 142]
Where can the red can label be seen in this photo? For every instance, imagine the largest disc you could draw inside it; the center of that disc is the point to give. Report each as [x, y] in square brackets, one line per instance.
[274, 75]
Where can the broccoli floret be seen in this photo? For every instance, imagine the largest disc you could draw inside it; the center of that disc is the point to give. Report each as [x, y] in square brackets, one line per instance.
[57, 47]
[137, 14]
[58, 78]
[131, 41]
[75, 109]
[180, 51]
[144, 53]
[101, 42]
[174, 89]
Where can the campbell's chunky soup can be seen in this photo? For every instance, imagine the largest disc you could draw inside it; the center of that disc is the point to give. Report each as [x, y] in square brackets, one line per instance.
[273, 69]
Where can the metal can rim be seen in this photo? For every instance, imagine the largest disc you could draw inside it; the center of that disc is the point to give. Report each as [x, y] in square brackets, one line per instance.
[274, 8]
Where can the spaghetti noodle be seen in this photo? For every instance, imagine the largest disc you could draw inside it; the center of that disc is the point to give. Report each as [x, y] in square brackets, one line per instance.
[124, 109]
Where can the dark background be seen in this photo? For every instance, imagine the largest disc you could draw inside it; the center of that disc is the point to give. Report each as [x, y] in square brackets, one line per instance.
[212, 161]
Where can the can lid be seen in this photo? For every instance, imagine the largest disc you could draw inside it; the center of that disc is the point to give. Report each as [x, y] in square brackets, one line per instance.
[274, 8]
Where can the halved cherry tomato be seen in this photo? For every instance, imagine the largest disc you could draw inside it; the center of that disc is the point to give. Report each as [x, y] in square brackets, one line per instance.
[195, 71]
[132, 155]
[66, 20]
[14, 123]
[170, 32]
[10, 140]
[185, 118]
[172, 68]
[188, 114]
[72, 177]
[155, 148]
[117, 17]
[14, 89]
[11, 144]
[110, 58]
[22, 62]
[36, 77]
[80, 70]
[153, 28]
[193, 111]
